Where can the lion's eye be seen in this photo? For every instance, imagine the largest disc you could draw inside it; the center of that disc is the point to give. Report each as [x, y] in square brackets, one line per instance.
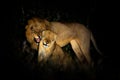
[31, 28]
[45, 44]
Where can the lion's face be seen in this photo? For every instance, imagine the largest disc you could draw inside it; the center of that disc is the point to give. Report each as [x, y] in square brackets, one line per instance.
[48, 40]
[46, 45]
[46, 48]
[34, 30]
[35, 27]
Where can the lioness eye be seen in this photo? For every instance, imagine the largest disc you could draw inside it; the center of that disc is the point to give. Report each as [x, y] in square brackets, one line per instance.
[45, 44]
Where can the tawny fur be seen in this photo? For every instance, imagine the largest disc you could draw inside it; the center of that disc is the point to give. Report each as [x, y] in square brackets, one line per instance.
[74, 33]
[49, 51]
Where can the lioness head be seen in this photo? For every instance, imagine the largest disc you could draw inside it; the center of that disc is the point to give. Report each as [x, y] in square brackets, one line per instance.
[46, 45]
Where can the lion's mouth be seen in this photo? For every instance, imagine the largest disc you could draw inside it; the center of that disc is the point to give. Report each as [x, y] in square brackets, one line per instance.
[37, 39]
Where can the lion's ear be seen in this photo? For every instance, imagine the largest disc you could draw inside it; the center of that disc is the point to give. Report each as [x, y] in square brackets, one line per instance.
[47, 23]
[26, 27]
[30, 21]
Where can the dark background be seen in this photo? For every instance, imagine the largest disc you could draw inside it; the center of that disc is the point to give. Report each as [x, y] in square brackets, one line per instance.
[96, 15]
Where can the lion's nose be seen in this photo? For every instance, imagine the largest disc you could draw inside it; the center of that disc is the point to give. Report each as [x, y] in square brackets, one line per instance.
[37, 39]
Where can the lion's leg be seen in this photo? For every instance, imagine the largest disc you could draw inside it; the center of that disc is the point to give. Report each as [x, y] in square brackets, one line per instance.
[85, 47]
[76, 48]
[81, 54]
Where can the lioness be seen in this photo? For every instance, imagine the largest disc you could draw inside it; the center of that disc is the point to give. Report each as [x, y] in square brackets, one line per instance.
[47, 46]
[49, 51]
[74, 33]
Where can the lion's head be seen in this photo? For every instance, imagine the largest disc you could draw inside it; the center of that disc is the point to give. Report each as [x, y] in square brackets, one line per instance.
[34, 28]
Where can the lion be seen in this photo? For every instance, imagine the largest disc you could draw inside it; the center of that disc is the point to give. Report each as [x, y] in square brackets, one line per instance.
[51, 52]
[32, 33]
[47, 46]
[74, 33]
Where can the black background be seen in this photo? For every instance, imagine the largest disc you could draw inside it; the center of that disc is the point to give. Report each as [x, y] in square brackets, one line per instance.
[97, 15]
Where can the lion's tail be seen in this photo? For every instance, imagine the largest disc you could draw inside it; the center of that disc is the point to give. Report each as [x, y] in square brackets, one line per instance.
[95, 45]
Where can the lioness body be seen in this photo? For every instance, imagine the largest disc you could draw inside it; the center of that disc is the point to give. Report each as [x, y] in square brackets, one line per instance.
[49, 51]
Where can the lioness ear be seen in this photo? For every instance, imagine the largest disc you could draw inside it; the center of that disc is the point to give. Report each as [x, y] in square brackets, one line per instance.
[55, 36]
[43, 33]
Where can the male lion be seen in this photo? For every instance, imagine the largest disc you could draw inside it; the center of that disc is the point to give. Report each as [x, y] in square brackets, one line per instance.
[74, 33]
[32, 32]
